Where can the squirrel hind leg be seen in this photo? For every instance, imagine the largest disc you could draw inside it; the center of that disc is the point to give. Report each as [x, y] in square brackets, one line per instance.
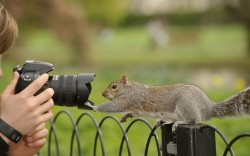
[177, 123]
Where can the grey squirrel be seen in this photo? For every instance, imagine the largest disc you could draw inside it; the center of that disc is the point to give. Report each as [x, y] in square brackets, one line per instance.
[177, 103]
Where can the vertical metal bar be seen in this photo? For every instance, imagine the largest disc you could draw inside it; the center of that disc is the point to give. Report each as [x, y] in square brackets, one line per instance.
[193, 140]
[167, 137]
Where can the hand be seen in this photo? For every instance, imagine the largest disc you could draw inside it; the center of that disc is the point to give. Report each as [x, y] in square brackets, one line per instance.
[24, 111]
[30, 144]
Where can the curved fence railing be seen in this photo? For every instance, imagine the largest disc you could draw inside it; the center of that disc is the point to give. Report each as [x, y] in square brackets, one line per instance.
[185, 140]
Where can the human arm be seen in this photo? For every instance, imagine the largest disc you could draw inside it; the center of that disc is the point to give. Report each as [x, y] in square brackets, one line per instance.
[24, 111]
[30, 144]
[4, 147]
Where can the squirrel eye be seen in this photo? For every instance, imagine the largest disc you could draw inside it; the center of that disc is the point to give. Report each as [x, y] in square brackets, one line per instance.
[114, 86]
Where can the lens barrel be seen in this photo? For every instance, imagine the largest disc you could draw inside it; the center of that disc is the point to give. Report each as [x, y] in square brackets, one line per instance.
[71, 90]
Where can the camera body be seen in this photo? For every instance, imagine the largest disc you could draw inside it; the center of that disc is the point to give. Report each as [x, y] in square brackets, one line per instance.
[69, 90]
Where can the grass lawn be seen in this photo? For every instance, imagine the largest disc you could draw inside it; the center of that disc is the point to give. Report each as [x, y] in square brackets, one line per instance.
[129, 51]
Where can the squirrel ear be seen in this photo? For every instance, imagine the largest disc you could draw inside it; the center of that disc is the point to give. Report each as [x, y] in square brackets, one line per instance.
[124, 79]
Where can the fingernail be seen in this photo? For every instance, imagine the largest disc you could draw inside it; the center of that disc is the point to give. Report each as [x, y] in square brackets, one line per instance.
[45, 74]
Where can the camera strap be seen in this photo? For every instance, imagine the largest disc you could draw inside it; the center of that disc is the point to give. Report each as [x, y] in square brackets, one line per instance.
[10, 132]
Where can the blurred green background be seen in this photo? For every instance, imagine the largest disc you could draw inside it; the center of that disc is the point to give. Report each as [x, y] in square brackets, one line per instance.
[202, 42]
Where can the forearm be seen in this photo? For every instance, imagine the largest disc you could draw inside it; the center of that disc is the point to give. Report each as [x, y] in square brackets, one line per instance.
[4, 138]
[4, 146]
[110, 107]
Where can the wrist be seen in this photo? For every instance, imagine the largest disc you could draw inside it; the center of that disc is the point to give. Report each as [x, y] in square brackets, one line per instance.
[9, 133]
[5, 138]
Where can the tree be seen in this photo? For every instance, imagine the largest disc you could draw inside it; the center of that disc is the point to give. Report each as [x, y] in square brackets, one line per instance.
[106, 12]
[240, 10]
[65, 19]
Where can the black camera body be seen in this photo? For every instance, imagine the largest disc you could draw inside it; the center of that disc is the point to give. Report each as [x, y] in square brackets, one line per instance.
[69, 90]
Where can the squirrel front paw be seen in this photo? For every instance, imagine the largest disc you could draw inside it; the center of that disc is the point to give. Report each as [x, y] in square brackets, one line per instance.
[125, 117]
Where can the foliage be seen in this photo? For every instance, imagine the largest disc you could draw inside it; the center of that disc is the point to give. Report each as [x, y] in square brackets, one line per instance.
[214, 15]
[105, 12]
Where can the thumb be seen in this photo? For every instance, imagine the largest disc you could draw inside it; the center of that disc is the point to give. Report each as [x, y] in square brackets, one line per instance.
[12, 85]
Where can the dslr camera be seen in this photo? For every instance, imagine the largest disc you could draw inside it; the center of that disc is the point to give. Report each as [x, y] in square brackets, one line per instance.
[69, 90]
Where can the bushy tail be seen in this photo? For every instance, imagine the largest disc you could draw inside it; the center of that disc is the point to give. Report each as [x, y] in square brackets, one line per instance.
[237, 105]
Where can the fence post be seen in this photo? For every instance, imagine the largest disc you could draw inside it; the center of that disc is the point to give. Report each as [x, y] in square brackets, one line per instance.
[194, 140]
[190, 140]
[167, 137]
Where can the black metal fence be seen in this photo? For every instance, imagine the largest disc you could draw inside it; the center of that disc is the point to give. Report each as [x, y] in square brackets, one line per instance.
[187, 140]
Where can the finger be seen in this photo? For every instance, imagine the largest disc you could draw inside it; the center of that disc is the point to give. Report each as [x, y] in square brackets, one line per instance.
[35, 86]
[37, 136]
[45, 107]
[46, 116]
[37, 143]
[37, 129]
[44, 96]
[12, 85]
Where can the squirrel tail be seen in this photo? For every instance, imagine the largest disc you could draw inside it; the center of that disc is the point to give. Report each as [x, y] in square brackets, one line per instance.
[237, 105]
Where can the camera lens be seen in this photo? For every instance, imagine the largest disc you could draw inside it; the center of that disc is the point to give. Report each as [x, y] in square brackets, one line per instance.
[71, 90]
[65, 89]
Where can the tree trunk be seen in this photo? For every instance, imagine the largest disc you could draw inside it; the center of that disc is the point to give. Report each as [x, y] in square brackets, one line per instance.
[66, 20]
